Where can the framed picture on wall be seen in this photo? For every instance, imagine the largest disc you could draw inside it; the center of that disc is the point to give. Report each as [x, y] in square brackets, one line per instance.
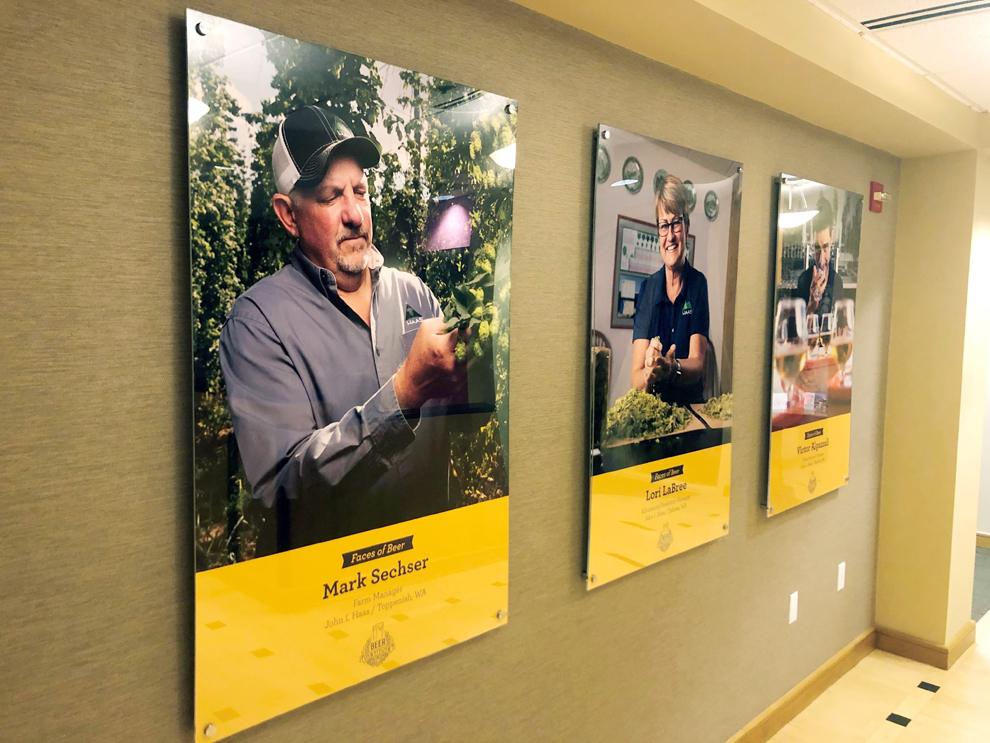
[811, 378]
[351, 515]
[662, 307]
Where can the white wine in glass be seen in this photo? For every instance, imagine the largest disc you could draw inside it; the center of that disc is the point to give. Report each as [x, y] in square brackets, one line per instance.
[790, 342]
[790, 363]
[827, 326]
[842, 338]
[814, 336]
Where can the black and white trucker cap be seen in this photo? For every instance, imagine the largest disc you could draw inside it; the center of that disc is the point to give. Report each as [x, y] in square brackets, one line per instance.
[306, 138]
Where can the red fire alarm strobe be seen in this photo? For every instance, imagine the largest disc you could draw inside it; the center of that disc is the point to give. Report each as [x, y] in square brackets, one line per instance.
[877, 197]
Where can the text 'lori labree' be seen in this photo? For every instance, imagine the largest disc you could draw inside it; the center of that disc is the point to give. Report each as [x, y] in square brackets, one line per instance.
[674, 487]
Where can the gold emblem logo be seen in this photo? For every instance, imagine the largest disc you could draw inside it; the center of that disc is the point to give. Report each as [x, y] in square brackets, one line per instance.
[378, 646]
[812, 483]
[666, 538]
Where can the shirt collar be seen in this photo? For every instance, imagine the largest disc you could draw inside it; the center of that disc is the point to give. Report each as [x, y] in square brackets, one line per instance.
[686, 276]
[323, 279]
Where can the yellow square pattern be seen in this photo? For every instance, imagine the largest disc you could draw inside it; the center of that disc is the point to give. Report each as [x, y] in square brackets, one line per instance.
[636, 521]
[276, 610]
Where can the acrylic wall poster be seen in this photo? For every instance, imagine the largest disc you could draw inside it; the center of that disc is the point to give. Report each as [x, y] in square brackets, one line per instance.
[818, 236]
[350, 227]
[663, 306]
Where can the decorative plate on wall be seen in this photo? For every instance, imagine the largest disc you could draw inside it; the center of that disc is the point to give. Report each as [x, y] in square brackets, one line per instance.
[691, 194]
[632, 174]
[711, 206]
[603, 165]
[658, 179]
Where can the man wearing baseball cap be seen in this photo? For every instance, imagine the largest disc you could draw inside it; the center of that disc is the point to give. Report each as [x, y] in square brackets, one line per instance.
[336, 365]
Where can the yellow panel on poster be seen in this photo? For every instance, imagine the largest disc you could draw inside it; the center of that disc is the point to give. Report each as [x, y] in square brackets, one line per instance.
[807, 461]
[278, 632]
[644, 514]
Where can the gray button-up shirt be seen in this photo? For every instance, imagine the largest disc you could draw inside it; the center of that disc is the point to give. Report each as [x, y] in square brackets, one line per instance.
[311, 395]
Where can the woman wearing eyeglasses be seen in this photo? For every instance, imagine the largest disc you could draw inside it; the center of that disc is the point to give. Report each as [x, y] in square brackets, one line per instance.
[670, 327]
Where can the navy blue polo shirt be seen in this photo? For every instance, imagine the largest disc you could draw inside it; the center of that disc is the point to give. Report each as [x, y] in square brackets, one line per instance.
[674, 322]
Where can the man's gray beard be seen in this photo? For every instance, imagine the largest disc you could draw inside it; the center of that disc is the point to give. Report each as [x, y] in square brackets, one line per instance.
[354, 266]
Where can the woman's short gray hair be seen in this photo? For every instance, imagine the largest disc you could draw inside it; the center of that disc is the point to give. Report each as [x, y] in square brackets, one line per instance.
[672, 196]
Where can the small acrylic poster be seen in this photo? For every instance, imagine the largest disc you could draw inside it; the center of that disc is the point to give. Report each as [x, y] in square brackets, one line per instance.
[818, 231]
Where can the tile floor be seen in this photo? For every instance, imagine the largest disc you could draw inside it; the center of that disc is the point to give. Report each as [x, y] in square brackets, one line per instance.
[981, 585]
[886, 699]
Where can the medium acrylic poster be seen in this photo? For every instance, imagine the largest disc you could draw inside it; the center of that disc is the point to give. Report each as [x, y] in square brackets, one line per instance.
[818, 233]
[350, 231]
[666, 234]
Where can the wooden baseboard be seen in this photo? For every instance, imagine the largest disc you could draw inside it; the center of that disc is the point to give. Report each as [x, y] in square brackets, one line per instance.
[785, 709]
[983, 540]
[940, 656]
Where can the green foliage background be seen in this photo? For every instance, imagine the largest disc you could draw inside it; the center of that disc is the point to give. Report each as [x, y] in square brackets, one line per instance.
[237, 240]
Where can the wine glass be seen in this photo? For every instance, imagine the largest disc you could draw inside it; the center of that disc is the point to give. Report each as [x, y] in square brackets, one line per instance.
[790, 342]
[828, 326]
[842, 338]
[814, 335]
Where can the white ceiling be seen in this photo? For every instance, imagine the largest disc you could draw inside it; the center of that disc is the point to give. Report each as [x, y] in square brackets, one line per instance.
[952, 48]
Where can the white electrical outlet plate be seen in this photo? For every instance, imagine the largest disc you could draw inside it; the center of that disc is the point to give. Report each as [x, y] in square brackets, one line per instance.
[842, 576]
[792, 614]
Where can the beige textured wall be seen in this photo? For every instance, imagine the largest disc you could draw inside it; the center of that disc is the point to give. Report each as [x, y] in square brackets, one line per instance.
[95, 538]
[936, 388]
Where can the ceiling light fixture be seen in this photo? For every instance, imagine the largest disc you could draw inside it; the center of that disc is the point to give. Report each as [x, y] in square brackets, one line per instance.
[788, 220]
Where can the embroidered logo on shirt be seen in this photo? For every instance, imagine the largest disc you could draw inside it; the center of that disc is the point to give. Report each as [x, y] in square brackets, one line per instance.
[687, 307]
[412, 317]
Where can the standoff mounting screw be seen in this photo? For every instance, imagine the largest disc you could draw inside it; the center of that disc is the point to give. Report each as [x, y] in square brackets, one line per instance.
[210, 730]
[500, 614]
[203, 28]
[594, 579]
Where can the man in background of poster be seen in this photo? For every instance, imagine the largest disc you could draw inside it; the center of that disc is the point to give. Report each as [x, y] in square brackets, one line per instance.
[671, 324]
[819, 285]
[331, 363]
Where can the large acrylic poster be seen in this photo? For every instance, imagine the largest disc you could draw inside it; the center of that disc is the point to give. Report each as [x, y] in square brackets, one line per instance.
[666, 233]
[350, 228]
[818, 232]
